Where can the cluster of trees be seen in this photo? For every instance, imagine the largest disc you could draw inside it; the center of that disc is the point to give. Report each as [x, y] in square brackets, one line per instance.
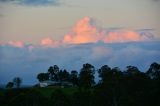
[55, 74]
[85, 78]
[16, 82]
[131, 87]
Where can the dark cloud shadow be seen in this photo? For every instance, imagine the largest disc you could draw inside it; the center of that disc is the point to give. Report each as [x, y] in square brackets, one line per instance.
[33, 2]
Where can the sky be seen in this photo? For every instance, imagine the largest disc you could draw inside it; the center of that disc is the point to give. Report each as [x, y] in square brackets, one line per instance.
[35, 34]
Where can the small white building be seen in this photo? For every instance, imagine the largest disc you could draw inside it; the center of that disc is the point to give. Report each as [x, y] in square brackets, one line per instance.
[47, 83]
[53, 83]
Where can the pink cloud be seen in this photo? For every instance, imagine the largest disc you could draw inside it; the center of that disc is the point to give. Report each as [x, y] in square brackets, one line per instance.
[49, 42]
[85, 31]
[19, 44]
[123, 36]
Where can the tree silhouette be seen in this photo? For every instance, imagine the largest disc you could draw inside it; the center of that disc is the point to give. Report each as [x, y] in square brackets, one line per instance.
[132, 70]
[17, 81]
[74, 77]
[86, 76]
[154, 71]
[111, 85]
[104, 72]
[154, 74]
[53, 72]
[43, 77]
[63, 75]
[9, 85]
[131, 87]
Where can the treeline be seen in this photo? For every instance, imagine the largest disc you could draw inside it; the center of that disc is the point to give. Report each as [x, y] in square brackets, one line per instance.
[55, 74]
[131, 87]
[86, 77]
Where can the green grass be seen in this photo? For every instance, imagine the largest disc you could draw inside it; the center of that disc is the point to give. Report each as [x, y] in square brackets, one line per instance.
[47, 91]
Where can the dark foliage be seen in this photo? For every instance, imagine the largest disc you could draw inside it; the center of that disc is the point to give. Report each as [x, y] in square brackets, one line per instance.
[86, 76]
[59, 98]
[116, 88]
[10, 85]
[25, 97]
[43, 76]
[74, 77]
[17, 81]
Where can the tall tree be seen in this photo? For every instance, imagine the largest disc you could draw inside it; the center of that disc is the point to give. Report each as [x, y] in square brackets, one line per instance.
[154, 71]
[137, 84]
[53, 72]
[154, 74]
[86, 76]
[17, 81]
[104, 72]
[74, 77]
[65, 75]
[111, 85]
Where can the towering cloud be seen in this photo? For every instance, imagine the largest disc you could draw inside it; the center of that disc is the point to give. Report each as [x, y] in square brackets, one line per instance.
[85, 31]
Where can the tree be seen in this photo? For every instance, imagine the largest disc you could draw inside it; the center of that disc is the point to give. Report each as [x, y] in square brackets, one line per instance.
[137, 86]
[86, 76]
[74, 77]
[104, 72]
[154, 74]
[9, 85]
[154, 71]
[132, 70]
[110, 85]
[43, 77]
[53, 72]
[63, 75]
[17, 81]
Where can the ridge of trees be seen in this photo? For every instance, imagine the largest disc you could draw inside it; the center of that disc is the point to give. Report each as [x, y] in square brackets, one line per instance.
[85, 78]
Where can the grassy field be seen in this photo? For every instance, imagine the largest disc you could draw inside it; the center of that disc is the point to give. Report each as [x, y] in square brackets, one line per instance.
[47, 91]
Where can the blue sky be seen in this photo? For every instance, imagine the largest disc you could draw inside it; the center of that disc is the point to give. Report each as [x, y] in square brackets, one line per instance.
[27, 63]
